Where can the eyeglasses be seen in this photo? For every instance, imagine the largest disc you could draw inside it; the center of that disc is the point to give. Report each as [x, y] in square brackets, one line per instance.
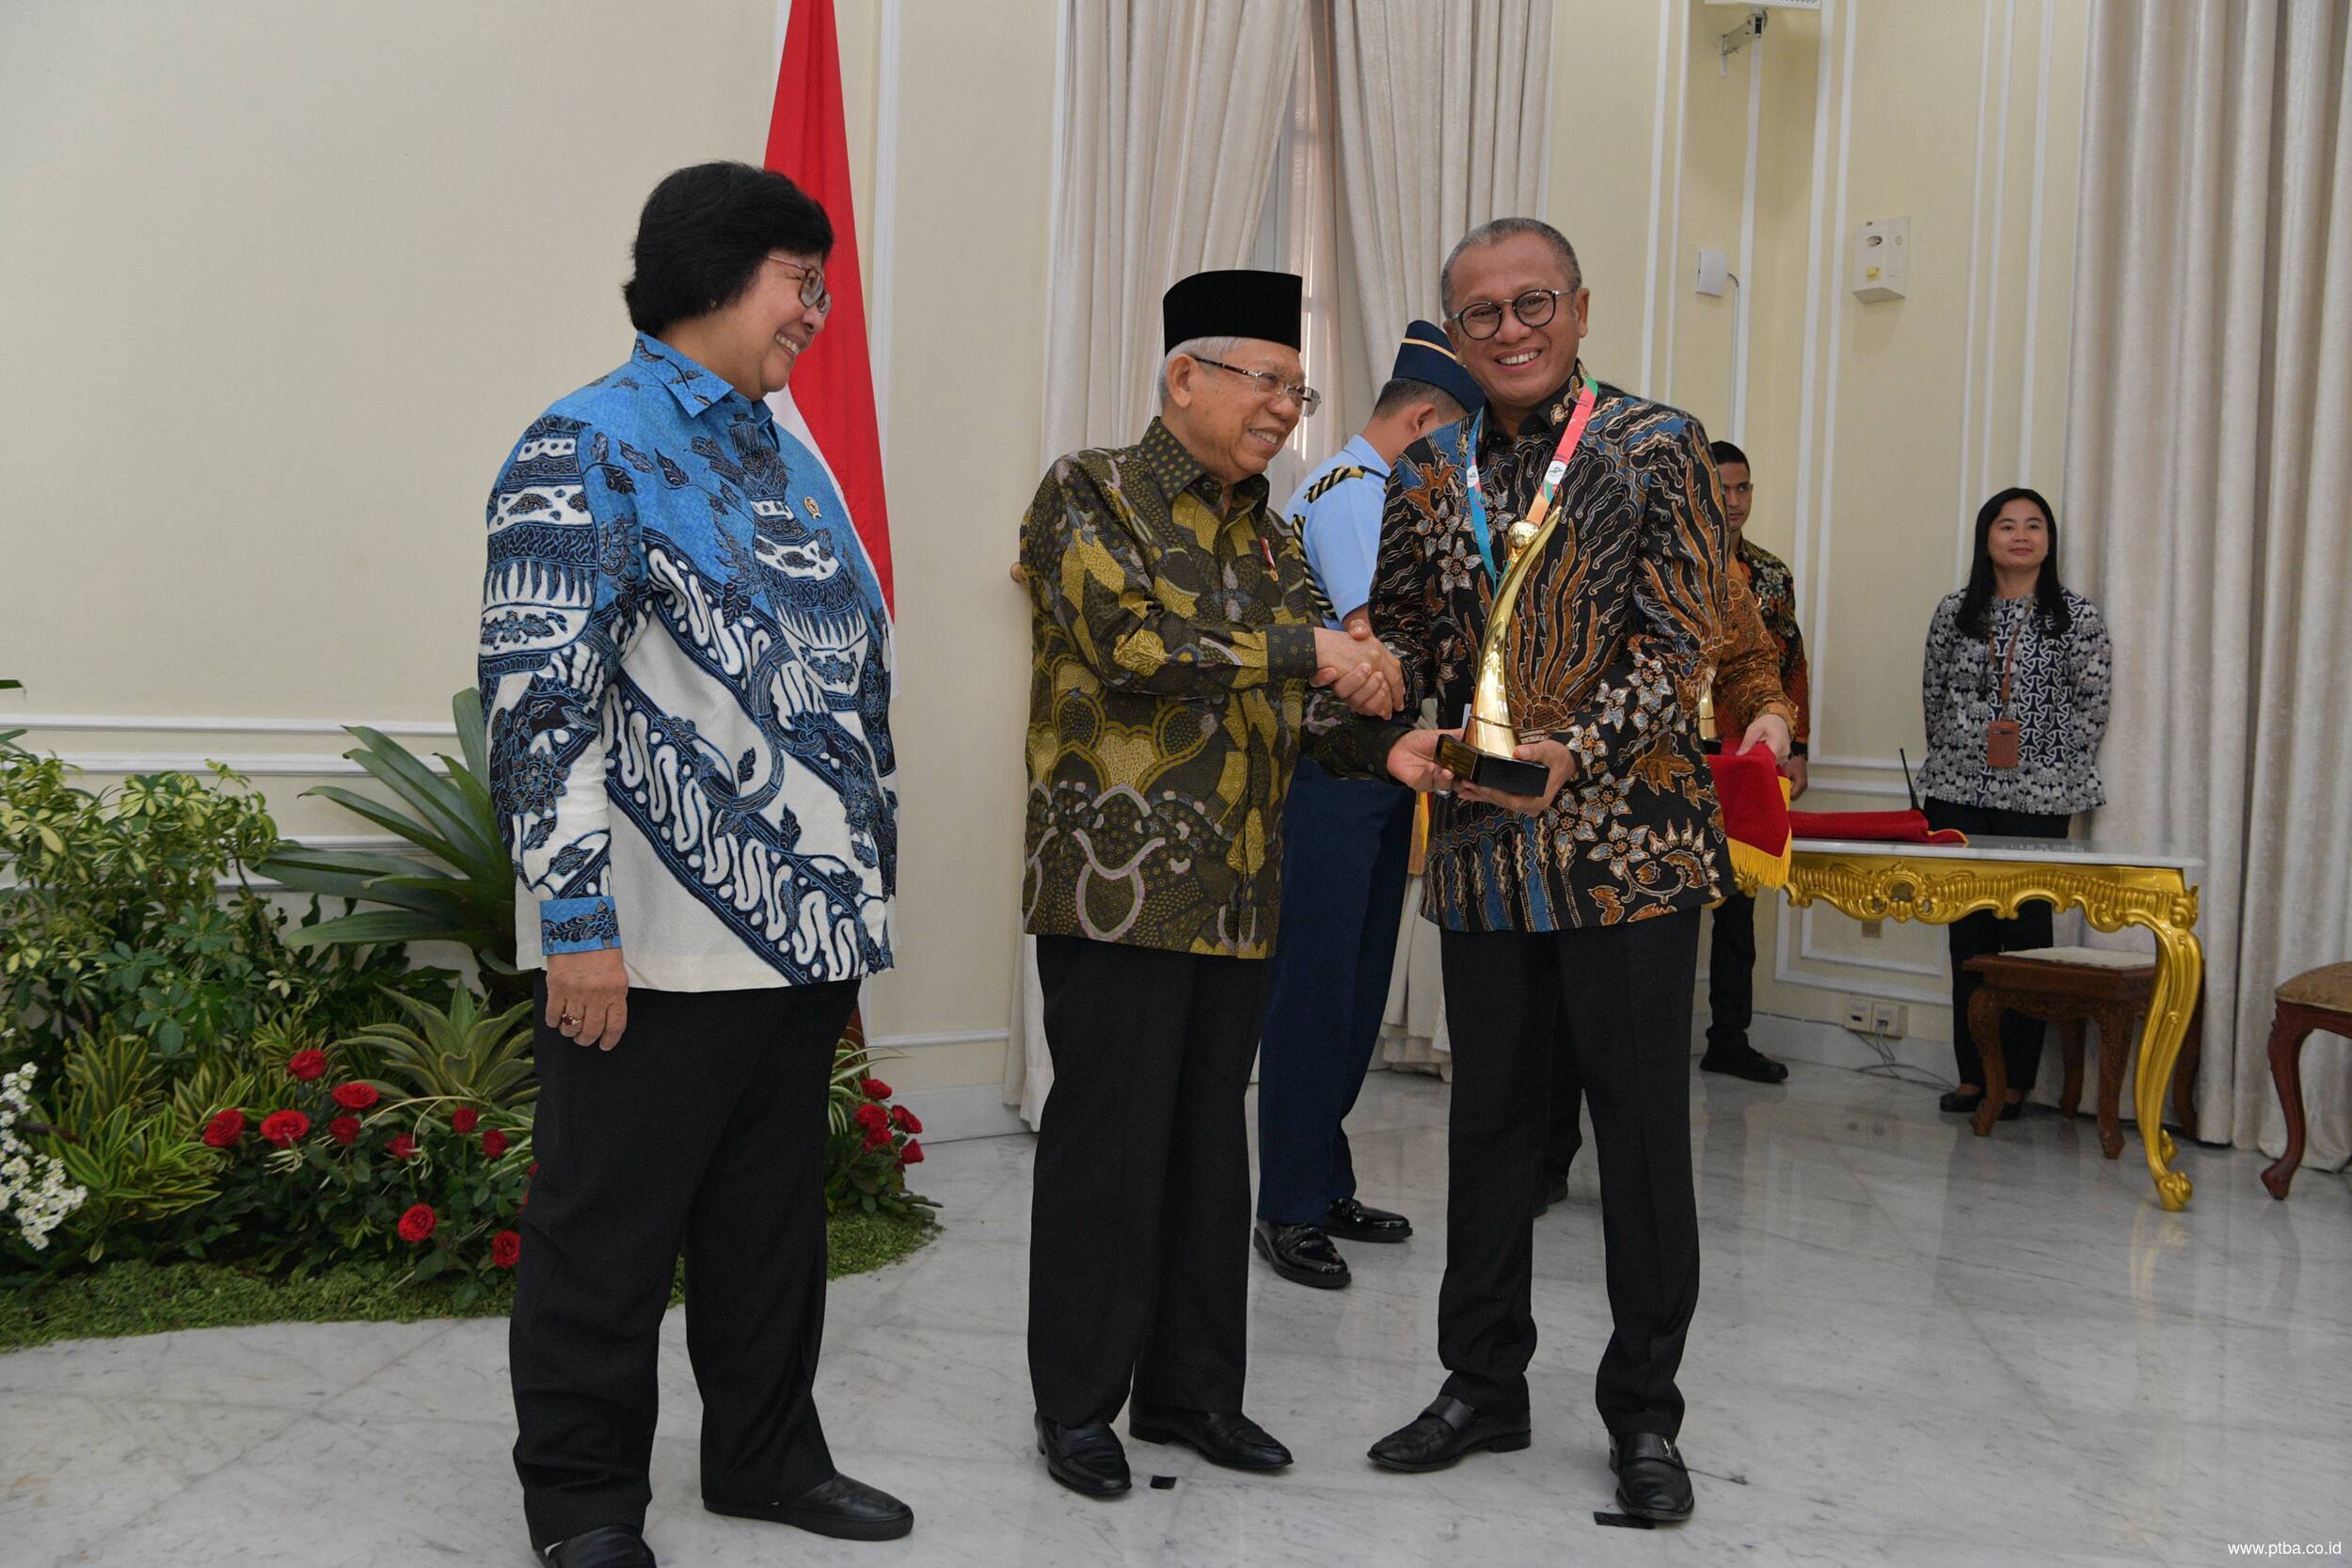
[1534, 307]
[812, 290]
[1271, 386]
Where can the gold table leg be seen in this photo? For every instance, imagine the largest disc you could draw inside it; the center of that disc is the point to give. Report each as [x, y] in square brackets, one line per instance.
[2179, 976]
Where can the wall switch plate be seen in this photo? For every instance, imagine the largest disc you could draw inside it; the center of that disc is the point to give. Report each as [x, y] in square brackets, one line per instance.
[1714, 273]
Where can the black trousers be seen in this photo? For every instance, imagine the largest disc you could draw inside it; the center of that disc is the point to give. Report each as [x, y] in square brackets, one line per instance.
[1140, 1220]
[1622, 995]
[704, 1129]
[1978, 934]
[1731, 971]
[1345, 845]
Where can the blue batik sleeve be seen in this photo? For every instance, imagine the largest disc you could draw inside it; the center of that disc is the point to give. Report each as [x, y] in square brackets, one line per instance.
[559, 609]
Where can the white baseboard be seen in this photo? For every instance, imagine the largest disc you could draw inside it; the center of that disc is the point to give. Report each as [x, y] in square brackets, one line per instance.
[965, 1111]
[1804, 1040]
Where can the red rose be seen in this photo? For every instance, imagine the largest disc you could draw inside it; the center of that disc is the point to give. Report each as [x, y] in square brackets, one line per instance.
[343, 1129]
[904, 1119]
[307, 1065]
[283, 1127]
[533, 1170]
[418, 1223]
[225, 1128]
[401, 1148]
[464, 1118]
[493, 1144]
[877, 1137]
[355, 1097]
[876, 1090]
[911, 1154]
[504, 1248]
[873, 1118]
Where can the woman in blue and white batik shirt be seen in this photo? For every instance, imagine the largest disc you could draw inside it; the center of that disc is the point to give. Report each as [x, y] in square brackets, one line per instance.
[685, 660]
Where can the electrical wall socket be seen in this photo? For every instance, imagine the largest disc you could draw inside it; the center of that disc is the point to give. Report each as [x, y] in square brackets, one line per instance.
[1858, 1014]
[1889, 1019]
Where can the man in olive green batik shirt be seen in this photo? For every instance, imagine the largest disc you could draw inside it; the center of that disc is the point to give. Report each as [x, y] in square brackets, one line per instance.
[1180, 669]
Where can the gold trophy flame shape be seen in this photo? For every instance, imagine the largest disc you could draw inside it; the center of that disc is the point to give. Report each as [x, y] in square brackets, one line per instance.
[1483, 755]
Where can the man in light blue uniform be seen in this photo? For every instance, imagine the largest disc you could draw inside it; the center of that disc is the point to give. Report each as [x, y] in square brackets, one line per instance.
[1344, 848]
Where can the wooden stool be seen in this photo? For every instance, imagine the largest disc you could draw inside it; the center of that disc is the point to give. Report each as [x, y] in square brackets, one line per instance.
[2070, 986]
[2321, 999]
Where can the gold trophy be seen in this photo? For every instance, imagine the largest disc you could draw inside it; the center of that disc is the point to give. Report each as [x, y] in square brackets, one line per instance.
[1483, 755]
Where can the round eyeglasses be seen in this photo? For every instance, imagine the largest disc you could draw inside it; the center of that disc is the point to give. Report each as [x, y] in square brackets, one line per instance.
[1271, 386]
[812, 290]
[1534, 307]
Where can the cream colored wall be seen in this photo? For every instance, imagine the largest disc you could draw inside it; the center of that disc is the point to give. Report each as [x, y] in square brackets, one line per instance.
[1875, 429]
[283, 281]
[267, 343]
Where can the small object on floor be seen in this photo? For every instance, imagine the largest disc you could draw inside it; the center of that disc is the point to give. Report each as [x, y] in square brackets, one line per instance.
[1301, 1254]
[1222, 1437]
[1961, 1103]
[1355, 1222]
[844, 1508]
[607, 1547]
[1447, 1430]
[1739, 1059]
[1554, 1190]
[1651, 1481]
[1086, 1459]
[1163, 1483]
[1621, 1521]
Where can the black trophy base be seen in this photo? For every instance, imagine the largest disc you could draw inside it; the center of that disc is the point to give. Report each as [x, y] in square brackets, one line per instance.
[1504, 775]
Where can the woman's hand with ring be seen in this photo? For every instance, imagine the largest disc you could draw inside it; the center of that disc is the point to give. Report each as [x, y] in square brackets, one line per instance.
[588, 996]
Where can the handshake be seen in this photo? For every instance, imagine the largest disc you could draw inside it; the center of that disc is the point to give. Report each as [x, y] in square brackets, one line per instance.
[1359, 668]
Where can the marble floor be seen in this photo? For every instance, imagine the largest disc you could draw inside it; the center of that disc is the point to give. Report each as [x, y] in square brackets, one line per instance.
[1913, 1347]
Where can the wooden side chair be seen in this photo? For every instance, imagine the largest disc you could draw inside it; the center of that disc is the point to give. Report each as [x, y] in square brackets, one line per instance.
[2319, 999]
[2071, 987]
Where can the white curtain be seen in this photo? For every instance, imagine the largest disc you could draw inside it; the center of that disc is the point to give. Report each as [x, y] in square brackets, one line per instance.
[2209, 480]
[1170, 112]
[1442, 127]
[1441, 113]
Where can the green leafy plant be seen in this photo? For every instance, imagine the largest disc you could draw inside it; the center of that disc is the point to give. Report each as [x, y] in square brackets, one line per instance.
[464, 1053]
[871, 1140]
[462, 888]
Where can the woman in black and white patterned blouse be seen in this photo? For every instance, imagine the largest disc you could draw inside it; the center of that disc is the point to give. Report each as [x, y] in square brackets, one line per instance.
[2018, 671]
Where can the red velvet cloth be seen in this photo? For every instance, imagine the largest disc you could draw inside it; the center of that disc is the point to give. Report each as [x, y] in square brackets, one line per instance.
[1756, 810]
[1888, 827]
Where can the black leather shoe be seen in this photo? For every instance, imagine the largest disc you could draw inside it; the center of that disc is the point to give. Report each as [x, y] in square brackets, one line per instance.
[844, 1508]
[1301, 1254]
[1233, 1440]
[605, 1546]
[1086, 1459]
[1555, 1189]
[1651, 1481]
[1445, 1432]
[1740, 1060]
[1353, 1222]
[1962, 1103]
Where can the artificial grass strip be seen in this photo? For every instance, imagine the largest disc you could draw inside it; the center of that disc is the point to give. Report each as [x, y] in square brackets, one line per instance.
[133, 1297]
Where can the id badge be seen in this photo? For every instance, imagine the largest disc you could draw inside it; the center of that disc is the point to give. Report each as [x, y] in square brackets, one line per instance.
[2001, 743]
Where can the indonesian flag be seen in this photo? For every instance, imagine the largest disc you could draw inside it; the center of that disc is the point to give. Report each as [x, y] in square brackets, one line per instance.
[830, 399]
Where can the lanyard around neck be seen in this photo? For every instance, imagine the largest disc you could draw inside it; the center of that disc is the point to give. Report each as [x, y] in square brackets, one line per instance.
[1586, 396]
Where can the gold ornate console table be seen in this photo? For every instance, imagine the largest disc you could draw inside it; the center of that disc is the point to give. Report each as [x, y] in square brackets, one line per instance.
[1938, 885]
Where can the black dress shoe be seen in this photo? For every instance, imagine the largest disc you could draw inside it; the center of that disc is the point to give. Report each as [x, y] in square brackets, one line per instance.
[1301, 1254]
[1555, 1189]
[605, 1546]
[844, 1508]
[1230, 1439]
[1740, 1060]
[1355, 1223]
[1085, 1458]
[1446, 1430]
[1651, 1481]
[1959, 1103]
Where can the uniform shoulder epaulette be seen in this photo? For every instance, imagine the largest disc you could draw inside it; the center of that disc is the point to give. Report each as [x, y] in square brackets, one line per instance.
[1340, 475]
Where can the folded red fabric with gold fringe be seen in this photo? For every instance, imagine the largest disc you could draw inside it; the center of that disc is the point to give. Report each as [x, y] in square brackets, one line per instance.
[1887, 827]
[1755, 801]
